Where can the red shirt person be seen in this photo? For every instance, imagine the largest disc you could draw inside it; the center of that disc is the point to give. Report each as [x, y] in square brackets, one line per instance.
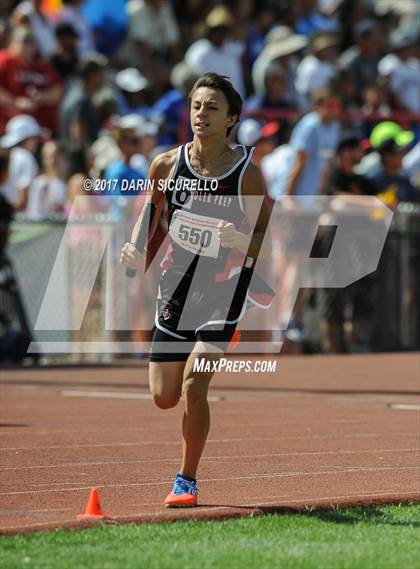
[28, 84]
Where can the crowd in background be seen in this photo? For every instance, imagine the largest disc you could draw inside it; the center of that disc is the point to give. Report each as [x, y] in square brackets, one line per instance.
[88, 89]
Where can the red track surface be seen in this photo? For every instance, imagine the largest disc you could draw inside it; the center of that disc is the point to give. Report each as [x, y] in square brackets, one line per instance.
[318, 432]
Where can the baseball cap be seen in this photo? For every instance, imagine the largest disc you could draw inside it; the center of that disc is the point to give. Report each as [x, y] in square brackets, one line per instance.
[389, 130]
[20, 128]
[251, 131]
[131, 80]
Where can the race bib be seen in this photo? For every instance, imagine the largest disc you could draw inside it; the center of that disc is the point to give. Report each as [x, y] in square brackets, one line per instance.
[195, 233]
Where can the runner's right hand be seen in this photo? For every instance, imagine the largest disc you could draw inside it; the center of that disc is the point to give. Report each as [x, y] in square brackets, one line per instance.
[131, 257]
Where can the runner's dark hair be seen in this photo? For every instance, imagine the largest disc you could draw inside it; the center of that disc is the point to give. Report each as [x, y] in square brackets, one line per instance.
[222, 83]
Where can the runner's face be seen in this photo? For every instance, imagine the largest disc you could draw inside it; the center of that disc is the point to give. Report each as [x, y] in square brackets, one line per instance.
[210, 113]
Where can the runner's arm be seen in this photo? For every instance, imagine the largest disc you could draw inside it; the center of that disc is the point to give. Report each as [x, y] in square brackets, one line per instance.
[132, 254]
[253, 192]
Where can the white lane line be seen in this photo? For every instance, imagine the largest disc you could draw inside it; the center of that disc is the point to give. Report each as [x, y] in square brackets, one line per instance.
[312, 423]
[120, 395]
[221, 458]
[402, 407]
[349, 470]
[221, 441]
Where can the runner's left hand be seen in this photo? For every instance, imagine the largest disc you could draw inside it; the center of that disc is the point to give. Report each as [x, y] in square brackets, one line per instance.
[227, 234]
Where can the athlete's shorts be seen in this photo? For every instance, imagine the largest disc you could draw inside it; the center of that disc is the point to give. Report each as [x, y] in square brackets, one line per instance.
[202, 308]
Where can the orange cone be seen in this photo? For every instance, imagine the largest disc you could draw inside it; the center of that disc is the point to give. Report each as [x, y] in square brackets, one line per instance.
[93, 508]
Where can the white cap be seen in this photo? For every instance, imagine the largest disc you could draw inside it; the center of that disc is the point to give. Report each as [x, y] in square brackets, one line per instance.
[20, 128]
[139, 124]
[131, 80]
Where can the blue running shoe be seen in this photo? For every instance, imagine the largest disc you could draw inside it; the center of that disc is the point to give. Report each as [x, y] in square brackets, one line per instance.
[183, 494]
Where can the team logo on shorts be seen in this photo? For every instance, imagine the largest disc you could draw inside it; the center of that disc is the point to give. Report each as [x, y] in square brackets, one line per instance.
[165, 313]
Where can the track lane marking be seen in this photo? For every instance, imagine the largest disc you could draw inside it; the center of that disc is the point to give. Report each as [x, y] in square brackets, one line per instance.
[403, 407]
[210, 458]
[347, 470]
[219, 441]
[122, 395]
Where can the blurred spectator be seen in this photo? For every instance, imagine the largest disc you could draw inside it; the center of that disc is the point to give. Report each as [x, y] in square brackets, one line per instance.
[403, 69]
[411, 165]
[78, 116]
[274, 98]
[128, 135]
[134, 92]
[153, 27]
[4, 172]
[22, 137]
[361, 61]
[29, 13]
[336, 302]
[375, 108]
[370, 165]
[28, 83]
[121, 173]
[262, 19]
[262, 136]
[344, 179]
[71, 13]
[79, 162]
[316, 70]
[172, 107]
[65, 57]
[310, 20]
[108, 22]
[48, 190]
[218, 52]
[313, 143]
[274, 95]
[283, 47]
[147, 131]
[391, 184]
[14, 331]
[5, 10]
[343, 86]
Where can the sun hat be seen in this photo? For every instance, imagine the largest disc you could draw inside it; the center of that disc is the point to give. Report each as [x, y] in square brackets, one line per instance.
[131, 80]
[20, 128]
[220, 17]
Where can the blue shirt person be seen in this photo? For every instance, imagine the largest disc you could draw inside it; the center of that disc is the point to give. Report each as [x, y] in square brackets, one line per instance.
[312, 144]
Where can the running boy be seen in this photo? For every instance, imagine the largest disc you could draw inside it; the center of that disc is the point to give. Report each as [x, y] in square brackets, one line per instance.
[202, 295]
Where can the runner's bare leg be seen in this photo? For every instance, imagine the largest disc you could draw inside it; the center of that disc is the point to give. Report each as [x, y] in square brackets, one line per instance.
[196, 420]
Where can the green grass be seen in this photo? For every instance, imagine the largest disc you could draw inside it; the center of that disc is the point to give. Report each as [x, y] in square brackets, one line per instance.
[374, 538]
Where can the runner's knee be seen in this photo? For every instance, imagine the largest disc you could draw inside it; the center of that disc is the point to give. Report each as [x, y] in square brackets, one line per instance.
[194, 389]
[165, 401]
